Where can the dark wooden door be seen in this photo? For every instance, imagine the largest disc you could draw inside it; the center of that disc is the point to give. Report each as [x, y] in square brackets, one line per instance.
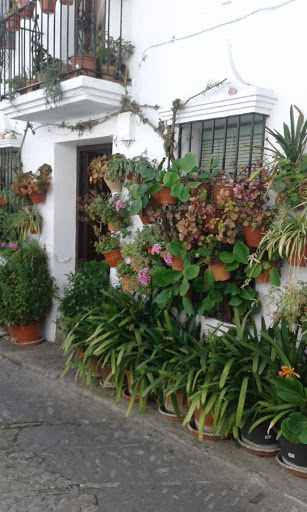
[85, 249]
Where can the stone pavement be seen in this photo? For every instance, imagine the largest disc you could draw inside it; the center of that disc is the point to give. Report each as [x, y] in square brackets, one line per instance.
[64, 448]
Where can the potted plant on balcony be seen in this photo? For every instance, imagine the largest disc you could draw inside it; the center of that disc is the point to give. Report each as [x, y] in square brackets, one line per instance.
[47, 6]
[27, 8]
[26, 292]
[12, 22]
[109, 246]
[126, 273]
[26, 219]
[111, 54]
[32, 184]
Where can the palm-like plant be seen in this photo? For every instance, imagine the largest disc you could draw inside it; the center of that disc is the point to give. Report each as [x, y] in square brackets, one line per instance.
[27, 219]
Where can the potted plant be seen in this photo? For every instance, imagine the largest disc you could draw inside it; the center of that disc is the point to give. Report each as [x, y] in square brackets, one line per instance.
[111, 53]
[27, 219]
[126, 273]
[288, 237]
[255, 222]
[290, 303]
[137, 250]
[12, 22]
[109, 246]
[135, 165]
[32, 184]
[26, 292]
[47, 6]
[106, 209]
[222, 189]
[115, 172]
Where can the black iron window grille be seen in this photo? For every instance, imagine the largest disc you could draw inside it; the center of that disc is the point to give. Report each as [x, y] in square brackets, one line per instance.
[8, 165]
[232, 139]
[66, 38]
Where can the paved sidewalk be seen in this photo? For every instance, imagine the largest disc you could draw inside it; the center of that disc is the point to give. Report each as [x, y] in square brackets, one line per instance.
[168, 460]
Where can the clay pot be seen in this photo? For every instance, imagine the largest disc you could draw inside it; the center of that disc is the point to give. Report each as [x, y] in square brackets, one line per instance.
[144, 219]
[218, 269]
[127, 283]
[166, 198]
[37, 197]
[113, 257]
[12, 331]
[137, 180]
[209, 229]
[299, 259]
[177, 263]
[28, 11]
[168, 404]
[127, 373]
[47, 6]
[264, 277]
[135, 266]
[27, 333]
[222, 195]
[2, 201]
[12, 23]
[156, 197]
[208, 427]
[112, 227]
[109, 73]
[27, 87]
[114, 186]
[252, 236]
[83, 61]
[79, 352]
[32, 230]
[105, 372]
[67, 2]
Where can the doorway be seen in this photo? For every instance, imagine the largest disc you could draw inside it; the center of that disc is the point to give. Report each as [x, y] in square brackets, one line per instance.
[85, 239]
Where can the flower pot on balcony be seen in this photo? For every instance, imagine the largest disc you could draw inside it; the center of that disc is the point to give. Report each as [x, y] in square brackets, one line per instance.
[299, 259]
[109, 73]
[67, 2]
[37, 197]
[47, 6]
[177, 263]
[218, 269]
[114, 186]
[252, 236]
[83, 61]
[144, 219]
[113, 257]
[28, 11]
[12, 23]
[222, 195]
[27, 87]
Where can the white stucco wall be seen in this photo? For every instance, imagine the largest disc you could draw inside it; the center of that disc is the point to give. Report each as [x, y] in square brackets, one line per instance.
[179, 47]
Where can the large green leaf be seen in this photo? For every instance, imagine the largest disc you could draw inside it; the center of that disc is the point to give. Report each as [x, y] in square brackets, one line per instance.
[191, 271]
[176, 247]
[136, 206]
[241, 252]
[176, 189]
[170, 178]
[184, 287]
[164, 296]
[164, 277]
[206, 305]
[215, 296]
[235, 301]
[188, 162]
[274, 277]
[227, 257]
[209, 278]
[187, 305]
[290, 390]
[232, 266]
[184, 194]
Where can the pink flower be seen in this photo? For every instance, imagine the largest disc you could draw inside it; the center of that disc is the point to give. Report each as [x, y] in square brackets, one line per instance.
[143, 277]
[119, 204]
[111, 200]
[3, 244]
[13, 245]
[168, 258]
[156, 249]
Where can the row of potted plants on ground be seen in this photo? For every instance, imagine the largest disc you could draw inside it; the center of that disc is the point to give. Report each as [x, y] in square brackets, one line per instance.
[238, 381]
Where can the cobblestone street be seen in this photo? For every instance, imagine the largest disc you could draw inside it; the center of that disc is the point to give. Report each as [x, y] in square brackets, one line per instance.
[63, 451]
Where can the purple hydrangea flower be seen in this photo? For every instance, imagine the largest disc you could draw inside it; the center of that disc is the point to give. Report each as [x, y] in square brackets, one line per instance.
[3, 244]
[156, 249]
[143, 276]
[119, 204]
[168, 258]
[111, 200]
[13, 245]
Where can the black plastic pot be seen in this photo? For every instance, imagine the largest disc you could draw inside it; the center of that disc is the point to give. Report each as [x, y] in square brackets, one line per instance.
[293, 454]
[259, 435]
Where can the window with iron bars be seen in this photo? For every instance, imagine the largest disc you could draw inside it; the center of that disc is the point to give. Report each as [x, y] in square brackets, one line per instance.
[8, 163]
[233, 140]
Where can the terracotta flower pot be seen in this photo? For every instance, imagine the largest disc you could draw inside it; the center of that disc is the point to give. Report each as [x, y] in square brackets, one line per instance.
[177, 263]
[66, 2]
[222, 195]
[252, 236]
[113, 257]
[105, 372]
[83, 61]
[166, 198]
[156, 197]
[211, 229]
[109, 73]
[168, 404]
[218, 269]
[37, 197]
[27, 87]
[137, 180]
[264, 277]
[136, 266]
[27, 333]
[47, 6]
[2, 201]
[12, 331]
[299, 259]
[79, 352]
[208, 427]
[144, 219]
[12, 23]
[28, 11]
[127, 373]
[112, 227]
[32, 230]
[127, 283]
[114, 186]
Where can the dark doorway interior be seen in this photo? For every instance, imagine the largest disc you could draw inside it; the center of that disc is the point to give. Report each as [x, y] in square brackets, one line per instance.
[85, 250]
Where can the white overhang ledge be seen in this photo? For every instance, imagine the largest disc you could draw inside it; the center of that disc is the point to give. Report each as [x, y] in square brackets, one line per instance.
[246, 100]
[83, 96]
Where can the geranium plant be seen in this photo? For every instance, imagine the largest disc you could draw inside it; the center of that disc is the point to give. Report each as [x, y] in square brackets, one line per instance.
[28, 182]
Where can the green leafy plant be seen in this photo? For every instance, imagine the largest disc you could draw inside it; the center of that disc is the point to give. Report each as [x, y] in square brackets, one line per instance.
[103, 208]
[140, 193]
[107, 243]
[112, 51]
[291, 303]
[26, 286]
[25, 220]
[124, 269]
[98, 166]
[28, 182]
[257, 266]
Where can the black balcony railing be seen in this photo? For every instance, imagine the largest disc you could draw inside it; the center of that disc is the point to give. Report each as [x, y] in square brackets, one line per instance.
[45, 40]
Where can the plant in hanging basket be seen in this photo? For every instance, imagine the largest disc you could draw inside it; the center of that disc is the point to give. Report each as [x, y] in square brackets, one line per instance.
[33, 184]
[105, 209]
[255, 223]
[98, 166]
[109, 246]
[27, 219]
[290, 303]
[142, 195]
[137, 250]
[128, 276]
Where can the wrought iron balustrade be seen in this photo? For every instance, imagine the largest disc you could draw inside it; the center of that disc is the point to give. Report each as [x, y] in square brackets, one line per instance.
[44, 40]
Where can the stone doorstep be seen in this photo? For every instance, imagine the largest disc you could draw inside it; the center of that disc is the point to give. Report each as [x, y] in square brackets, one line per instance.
[47, 360]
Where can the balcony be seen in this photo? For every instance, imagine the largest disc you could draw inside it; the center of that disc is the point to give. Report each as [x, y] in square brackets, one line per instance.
[67, 55]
